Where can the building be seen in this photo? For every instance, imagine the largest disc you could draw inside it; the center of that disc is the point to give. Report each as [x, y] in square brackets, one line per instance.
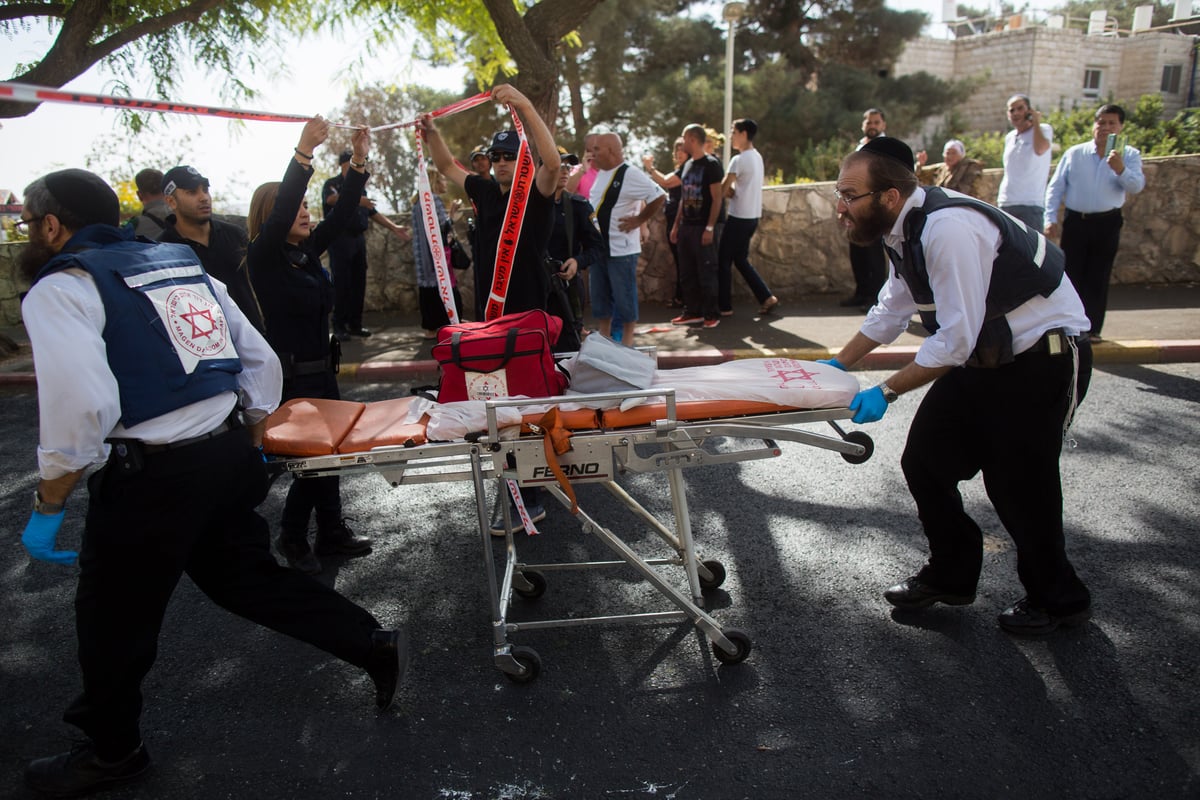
[1059, 63]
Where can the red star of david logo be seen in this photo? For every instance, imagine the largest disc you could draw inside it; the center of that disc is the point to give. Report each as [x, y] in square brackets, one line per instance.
[194, 316]
[795, 374]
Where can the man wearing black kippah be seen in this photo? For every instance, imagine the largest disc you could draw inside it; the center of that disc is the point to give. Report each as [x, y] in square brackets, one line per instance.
[1008, 363]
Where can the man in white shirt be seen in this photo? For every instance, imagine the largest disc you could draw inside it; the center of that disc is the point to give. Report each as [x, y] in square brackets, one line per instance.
[1026, 163]
[743, 188]
[1004, 350]
[625, 199]
[1092, 181]
[145, 365]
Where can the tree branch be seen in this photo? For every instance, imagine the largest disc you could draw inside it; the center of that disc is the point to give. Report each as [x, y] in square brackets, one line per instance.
[19, 10]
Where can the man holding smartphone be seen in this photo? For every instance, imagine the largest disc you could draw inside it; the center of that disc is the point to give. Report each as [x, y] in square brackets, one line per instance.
[1092, 180]
[1026, 163]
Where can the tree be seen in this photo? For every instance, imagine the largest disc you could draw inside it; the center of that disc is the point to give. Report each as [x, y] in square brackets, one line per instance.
[127, 37]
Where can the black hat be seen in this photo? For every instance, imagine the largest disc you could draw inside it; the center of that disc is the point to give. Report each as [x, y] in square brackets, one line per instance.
[505, 142]
[183, 177]
[567, 158]
[345, 156]
[477, 152]
[892, 148]
[85, 195]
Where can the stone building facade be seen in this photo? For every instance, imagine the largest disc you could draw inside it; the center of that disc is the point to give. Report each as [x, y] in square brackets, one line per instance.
[1058, 68]
[799, 250]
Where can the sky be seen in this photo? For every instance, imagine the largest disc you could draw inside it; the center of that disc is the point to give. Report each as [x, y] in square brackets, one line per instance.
[235, 157]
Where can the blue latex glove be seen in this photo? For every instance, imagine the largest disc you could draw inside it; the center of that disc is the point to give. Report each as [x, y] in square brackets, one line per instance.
[868, 405]
[833, 362]
[40, 533]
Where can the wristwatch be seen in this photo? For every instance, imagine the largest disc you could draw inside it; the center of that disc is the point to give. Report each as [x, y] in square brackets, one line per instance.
[42, 507]
[889, 393]
[708, 228]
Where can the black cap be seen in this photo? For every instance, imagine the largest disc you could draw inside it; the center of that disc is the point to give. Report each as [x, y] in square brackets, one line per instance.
[568, 158]
[892, 148]
[345, 156]
[477, 152]
[505, 142]
[183, 177]
[85, 195]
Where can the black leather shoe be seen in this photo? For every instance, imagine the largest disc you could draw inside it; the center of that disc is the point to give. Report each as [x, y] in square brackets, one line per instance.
[299, 555]
[914, 593]
[80, 771]
[1023, 618]
[340, 540]
[363, 332]
[386, 664]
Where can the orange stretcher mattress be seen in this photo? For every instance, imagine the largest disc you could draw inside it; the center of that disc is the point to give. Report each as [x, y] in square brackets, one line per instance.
[307, 427]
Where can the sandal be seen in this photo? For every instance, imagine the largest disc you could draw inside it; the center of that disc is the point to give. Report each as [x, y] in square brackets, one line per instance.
[771, 302]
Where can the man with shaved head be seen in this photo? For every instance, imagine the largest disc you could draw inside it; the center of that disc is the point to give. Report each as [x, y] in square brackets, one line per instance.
[625, 199]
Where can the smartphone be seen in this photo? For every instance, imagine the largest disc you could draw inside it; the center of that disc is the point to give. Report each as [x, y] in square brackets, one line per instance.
[1115, 142]
[1029, 117]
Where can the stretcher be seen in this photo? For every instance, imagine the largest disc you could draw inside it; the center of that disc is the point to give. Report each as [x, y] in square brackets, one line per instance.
[561, 443]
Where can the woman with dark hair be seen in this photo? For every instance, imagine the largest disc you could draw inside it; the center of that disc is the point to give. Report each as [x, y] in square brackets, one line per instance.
[296, 296]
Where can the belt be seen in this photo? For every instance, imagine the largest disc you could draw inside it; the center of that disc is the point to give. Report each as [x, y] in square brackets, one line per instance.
[223, 428]
[1094, 214]
[1055, 342]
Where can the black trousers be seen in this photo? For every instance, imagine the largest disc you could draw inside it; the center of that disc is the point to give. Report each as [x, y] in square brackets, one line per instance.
[869, 265]
[308, 495]
[734, 250]
[698, 273]
[187, 511]
[1090, 245]
[348, 268]
[1008, 424]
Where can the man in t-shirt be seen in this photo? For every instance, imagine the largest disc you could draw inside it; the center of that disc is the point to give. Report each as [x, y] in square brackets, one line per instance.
[699, 210]
[529, 282]
[743, 186]
[624, 199]
[1026, 163]
[220, 246]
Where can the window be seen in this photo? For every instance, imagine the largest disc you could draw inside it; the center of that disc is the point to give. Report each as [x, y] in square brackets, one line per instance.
[1172, 73]
[1091, 83]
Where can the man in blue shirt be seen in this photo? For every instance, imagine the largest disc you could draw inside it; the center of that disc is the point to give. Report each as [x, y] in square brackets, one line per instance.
[1092, 179]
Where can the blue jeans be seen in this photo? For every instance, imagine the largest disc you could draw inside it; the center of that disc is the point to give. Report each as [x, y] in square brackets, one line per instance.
[1032, 216]
[735, 250]
[613, 285]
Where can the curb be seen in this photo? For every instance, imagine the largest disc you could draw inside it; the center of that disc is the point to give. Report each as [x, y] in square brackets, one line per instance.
[1130, 351]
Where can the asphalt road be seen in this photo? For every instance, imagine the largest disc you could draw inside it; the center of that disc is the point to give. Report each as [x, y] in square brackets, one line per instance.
[839, 699]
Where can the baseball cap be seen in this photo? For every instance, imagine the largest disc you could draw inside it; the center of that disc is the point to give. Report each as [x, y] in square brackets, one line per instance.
[567, 158]
[478, 152]
[505, 142]
[182, 177]
[85, 195]
[891, 148]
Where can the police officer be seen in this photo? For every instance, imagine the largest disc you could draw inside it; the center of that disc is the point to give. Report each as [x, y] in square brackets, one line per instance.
[142, 361]
[1003, 352]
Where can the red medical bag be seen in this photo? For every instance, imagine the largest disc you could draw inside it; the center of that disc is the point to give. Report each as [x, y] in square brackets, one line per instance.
[505, 357]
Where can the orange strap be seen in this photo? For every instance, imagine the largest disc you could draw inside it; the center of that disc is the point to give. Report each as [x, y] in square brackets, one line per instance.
[557, 440]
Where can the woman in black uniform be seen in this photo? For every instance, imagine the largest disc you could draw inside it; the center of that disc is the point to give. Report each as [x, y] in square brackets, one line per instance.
[296, 296]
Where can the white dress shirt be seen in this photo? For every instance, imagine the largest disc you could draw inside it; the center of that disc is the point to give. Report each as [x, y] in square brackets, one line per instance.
[960, 245]
[1086, 183]
[78, 400]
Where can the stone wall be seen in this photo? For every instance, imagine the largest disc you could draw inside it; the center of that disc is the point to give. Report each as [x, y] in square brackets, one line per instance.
[799, 250]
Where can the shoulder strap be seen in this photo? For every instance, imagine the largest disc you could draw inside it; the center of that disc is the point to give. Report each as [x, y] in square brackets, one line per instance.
[609, 201]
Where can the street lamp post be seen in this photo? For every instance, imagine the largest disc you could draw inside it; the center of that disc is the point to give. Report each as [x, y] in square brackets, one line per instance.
[731, 13]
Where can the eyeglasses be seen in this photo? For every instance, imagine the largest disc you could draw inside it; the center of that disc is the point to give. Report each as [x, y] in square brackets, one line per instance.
[22, 225]
[495, 156]
[842, 197]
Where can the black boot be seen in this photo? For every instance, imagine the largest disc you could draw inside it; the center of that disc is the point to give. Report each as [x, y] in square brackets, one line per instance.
[294, 547]
[339, 539]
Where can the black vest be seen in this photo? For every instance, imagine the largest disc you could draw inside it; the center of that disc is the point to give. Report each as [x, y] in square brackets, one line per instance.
[1026, 265]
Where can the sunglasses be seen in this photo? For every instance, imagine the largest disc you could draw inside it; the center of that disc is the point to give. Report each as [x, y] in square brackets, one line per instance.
[495, 156]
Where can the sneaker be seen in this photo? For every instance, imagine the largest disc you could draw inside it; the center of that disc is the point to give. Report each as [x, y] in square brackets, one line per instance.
[711, 323]
[536, 514]
[80, 771]
[684, 319]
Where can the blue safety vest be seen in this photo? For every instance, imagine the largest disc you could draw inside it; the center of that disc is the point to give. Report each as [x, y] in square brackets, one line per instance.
[167, 340]
[1027, 265]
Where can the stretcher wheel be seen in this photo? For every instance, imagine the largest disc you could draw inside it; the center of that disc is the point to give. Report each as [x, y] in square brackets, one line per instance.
[536, 580]
[858, 437]
[530, 662]
[718, 575]
[741, 641]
